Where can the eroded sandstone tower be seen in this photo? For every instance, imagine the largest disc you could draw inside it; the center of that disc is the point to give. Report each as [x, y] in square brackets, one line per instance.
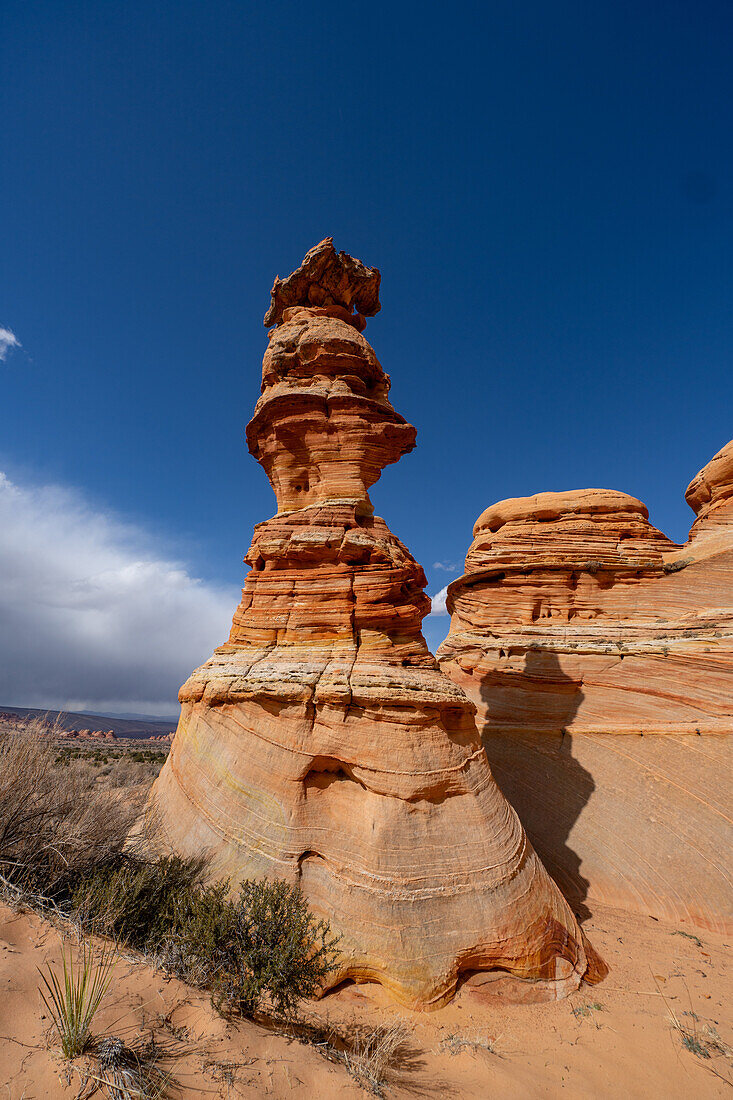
[321, 744]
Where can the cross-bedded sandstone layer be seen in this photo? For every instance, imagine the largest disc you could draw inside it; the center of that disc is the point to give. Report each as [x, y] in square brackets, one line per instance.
[600, 657]
[321, 744]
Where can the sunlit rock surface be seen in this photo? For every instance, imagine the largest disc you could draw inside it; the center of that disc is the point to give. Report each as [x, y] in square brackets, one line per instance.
[600, 658]
[321, 744]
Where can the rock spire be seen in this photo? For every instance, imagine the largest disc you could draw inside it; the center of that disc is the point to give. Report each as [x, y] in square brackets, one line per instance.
[321, 744]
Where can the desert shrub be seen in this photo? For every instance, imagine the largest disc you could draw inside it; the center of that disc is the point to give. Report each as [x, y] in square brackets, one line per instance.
[266, 946]
[140, 902]
[675, 566]
[127, 771]
[55, 822]
[200, 939]
[262, 946]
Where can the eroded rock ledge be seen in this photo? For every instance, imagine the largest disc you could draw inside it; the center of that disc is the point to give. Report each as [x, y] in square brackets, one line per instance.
[576, 622]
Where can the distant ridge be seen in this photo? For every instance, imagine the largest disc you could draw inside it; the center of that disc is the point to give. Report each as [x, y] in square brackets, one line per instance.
[75, 720]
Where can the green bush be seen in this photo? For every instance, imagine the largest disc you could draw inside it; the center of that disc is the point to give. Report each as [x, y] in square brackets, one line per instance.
[143, 903]
[264, 946]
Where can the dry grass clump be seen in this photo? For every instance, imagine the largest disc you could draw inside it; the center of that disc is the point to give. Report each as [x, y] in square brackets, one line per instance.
[55, 823]
[704, 1043]
[375, 1056]
[584, 1010]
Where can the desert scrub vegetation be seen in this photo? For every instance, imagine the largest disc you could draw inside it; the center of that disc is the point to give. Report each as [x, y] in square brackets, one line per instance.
[376, 1053]
[377, 1056]
[456, 1044]
[264, 947]
[56, 824]
[130, 1071]
[114, 766]
[118, 1070]
[138, 901]
[64, 846]
[257, 948]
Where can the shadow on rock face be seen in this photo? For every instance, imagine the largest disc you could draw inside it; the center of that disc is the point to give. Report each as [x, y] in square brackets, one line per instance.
[533, 763]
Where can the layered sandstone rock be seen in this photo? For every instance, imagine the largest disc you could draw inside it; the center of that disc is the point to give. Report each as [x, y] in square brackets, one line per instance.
[600, 657]
[321, 744]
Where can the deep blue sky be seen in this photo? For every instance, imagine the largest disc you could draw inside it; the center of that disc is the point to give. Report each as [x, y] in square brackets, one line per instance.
[546, 188]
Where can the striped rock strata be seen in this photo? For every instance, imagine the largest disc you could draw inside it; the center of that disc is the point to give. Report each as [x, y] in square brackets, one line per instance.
[321, 744]
[600, 657]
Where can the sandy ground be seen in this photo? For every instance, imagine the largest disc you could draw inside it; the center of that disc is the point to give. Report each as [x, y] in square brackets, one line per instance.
[612, 1040]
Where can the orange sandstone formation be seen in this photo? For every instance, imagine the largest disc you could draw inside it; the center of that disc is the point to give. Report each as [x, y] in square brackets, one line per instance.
[321, 744]
[600, 657]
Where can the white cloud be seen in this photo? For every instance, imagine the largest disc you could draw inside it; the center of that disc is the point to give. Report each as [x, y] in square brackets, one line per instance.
[438, 602]
[8, 341]
[91, 615]
[446, 566]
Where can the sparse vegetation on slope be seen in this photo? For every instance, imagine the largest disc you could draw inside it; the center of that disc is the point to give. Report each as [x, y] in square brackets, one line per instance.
[137, 901]
[260, 946]
[65, 816]
[63, 844]
[56, 824]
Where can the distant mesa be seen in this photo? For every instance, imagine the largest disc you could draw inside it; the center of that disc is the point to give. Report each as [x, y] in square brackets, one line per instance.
[69, 726]
[321, 744]
[89, 735]
[599, 654]
[10, 721]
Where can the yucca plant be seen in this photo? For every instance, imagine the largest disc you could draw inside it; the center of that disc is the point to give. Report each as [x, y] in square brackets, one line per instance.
[74, 998]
